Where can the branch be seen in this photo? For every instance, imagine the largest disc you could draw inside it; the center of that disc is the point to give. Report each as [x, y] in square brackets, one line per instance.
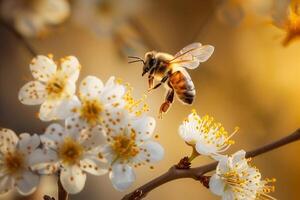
[195, 173]
[19, 37]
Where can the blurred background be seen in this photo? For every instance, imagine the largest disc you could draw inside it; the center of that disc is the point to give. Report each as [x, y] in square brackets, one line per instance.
[251, 81]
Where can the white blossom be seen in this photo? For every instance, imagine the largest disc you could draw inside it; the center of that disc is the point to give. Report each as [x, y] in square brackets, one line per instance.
[98, 103]
[16, 158]
[208, 137]
[129, 145]
[235, 179]
[73, 154]
[54, 87]
[32, 18]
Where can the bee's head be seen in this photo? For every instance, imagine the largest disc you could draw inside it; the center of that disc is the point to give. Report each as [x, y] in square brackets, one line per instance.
[150, 62]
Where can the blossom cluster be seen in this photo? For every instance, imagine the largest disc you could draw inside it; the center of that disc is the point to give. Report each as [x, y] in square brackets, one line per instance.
[235, 177]
[99, 129]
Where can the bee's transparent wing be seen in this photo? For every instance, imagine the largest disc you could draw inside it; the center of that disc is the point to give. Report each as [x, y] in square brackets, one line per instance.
[192, 55]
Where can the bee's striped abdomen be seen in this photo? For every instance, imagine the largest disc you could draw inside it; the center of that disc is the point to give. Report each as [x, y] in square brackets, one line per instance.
[183, 86]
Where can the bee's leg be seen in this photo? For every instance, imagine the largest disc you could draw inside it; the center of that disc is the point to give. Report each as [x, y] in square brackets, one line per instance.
[166, 105]
[150, 81]
[151, 78]
[163, 80]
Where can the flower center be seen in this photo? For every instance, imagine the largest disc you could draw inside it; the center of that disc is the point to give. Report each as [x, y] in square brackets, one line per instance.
[14, 162]
[91, 111]
[55, 87]
[124, 146]
[70, 151]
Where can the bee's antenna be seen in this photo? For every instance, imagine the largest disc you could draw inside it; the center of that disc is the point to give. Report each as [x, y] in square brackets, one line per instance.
[138, 59]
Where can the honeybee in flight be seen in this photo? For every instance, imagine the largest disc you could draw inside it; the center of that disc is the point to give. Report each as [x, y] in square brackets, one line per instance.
[171, 71]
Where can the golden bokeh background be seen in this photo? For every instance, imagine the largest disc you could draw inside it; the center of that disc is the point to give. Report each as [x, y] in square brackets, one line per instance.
[251, 81]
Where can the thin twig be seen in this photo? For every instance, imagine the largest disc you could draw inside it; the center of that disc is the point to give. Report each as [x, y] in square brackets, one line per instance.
[195, 173]
[20, 37]
[62, 193]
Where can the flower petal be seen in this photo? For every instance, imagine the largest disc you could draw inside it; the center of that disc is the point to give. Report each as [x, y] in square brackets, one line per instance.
[94, 164]
[72, 179]
[53, 136]
[216, 185]
[75, 124]
[54, 11]
[8, 140]
[44, 161]
[27, 183]
[70, 66]
[229, 195]
[28, 143]
[42, 68]
[238, 156]
[144, 127]
[205, 149]
[122, 176]
[92, 137]
[151, 152]
[6, 183]
[32, 93]
[90, 87]
[57, 109]
[112, 91]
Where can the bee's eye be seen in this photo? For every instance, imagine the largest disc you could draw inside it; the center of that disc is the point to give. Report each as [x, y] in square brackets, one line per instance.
[152, 62]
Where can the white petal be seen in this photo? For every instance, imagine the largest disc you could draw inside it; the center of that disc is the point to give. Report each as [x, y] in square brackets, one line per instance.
[90, 87]
[72, 179]
[28, 143]
[151, 152]
[53, 136]
[42, 68]
[205, 149]
[70, 88]
[94, 165]
[70, 66]
[238, 156]
[32, 93]
[116, 120]
[216, 185]
[188, 132]
[6, 183]
[29, 24]
[122, 176]
[57, 109]
[44, 161]
[223, 165]
[8, 140]
[54, 11]
[27, 183]
[65, 108]
[228, 195]
[75, 124]
[144, 127]
[112, 91]
[93, 137]
[108, 153]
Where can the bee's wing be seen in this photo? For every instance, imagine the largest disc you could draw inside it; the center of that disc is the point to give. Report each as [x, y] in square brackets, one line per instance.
[192, 55]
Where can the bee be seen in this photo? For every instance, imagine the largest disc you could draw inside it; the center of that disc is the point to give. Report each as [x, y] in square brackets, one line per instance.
[171, 72]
